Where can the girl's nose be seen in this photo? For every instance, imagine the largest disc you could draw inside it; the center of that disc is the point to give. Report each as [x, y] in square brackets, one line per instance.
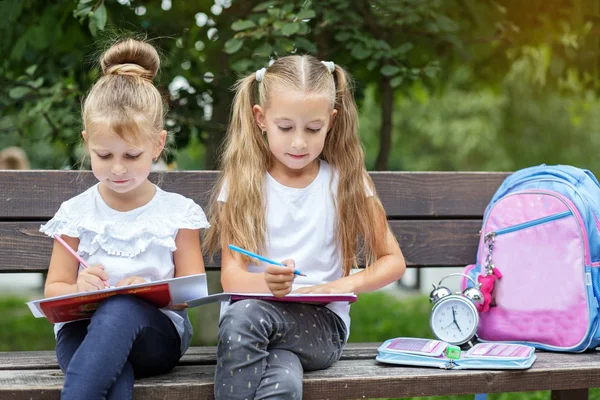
[118, 169]
[298, 142]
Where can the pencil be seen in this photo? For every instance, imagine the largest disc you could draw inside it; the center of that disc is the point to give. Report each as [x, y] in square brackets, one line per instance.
[261, 258]
[74, 253]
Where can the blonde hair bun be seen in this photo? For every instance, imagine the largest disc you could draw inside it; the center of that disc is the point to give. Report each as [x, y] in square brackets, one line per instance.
[131, 57]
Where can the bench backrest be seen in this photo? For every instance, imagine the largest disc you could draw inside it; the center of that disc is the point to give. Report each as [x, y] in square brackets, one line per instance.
[436, 216]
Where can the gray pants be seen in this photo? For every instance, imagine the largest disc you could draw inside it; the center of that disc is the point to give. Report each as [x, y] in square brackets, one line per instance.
[264, 348]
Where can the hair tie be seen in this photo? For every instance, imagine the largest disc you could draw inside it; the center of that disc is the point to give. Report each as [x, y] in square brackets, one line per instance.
[271, 61]
[260, 74]
[330, 65]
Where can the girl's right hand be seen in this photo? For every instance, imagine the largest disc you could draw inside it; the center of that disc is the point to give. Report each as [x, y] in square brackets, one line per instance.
[92, 278]
[279, 279]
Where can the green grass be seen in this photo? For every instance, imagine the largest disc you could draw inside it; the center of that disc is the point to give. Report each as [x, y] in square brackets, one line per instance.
[20, 330]
[375, 318]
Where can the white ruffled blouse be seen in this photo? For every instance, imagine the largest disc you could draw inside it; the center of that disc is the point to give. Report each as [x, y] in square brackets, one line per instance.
[139, 242]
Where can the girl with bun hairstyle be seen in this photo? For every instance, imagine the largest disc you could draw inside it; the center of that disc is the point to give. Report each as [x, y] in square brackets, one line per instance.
[129, 231]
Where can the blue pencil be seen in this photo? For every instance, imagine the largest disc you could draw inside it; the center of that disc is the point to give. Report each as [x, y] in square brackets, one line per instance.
[261, 258]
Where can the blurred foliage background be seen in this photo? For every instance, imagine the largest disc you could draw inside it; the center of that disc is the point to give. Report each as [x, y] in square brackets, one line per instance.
[441, 85]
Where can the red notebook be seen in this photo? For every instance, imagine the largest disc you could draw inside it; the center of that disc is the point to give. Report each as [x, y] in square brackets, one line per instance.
[82, 305]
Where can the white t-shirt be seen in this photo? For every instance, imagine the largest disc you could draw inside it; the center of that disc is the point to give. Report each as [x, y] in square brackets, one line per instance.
[139, 242]
[301, 226]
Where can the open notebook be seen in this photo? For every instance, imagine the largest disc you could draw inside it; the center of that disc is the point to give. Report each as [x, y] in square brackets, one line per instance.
[188, 290]
[290, 298]
[432, 353]
[161, 293]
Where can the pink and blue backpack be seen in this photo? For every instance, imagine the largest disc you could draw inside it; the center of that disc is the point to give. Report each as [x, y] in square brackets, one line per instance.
[540, 246]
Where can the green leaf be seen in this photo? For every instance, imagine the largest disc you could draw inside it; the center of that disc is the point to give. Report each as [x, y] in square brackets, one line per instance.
[264, 50]
[306, 14]
[274, 12]
[430, 71]
[343, 36]
[405, 48]
[396, 81]
[286, 44]
[19, 92]
[290, 28]
[31, 70]
[85, 1]
[233, 45]
[82, 12]
[242, 65]
[37, 83]
[263, 6]
[288, 8]
[93, 26]
[304, 29]
[243, 25]
[360, 52]
[100, 16]
[390, 70]
[371, 65]
[305, 44]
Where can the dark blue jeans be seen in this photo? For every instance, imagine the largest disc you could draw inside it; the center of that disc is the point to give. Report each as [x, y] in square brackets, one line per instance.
[126, 338]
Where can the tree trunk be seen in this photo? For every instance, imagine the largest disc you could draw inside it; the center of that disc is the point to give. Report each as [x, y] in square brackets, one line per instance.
[385, 133]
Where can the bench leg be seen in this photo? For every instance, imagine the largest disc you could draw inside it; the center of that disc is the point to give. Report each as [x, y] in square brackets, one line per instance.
[575, 394]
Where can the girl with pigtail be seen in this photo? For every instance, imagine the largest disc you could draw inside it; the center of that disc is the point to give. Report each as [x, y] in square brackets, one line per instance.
[293, 188]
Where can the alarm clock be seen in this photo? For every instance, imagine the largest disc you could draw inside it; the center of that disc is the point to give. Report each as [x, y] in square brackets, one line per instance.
[454, 318]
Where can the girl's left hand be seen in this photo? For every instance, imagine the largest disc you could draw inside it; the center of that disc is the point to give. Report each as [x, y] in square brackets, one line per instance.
[327, 288]
[131, 280]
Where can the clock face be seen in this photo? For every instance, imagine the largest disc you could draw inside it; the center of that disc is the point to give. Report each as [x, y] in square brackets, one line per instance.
[454, 319]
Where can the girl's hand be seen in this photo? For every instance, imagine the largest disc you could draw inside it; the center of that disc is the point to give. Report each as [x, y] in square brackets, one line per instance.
[327, 288]
[131, 280]
[91, 279]
[279, 279]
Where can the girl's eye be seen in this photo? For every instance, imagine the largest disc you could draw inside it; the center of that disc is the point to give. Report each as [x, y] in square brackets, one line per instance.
[104, 156]
[313, 130]
[133, 156]
[285, 128]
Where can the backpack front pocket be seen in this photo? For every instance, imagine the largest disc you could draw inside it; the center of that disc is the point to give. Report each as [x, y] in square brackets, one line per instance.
[540, 248]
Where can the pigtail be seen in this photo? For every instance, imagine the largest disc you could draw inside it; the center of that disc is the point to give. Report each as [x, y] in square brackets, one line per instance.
[240, 219]
[358, 214]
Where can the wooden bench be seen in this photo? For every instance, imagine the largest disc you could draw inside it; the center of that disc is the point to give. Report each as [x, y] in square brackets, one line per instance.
[436, 218]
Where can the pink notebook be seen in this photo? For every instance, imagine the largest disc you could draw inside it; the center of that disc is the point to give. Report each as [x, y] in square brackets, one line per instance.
[290, 298]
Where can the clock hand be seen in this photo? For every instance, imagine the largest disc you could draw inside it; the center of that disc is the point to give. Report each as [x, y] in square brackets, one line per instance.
[449, 325]
[456, 323]
[453, 315]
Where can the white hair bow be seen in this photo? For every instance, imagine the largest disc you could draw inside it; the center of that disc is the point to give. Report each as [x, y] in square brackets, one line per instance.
[330, 65]
[260, 74]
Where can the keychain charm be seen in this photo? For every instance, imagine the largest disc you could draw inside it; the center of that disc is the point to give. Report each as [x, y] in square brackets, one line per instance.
[488, 280]
[453, 354]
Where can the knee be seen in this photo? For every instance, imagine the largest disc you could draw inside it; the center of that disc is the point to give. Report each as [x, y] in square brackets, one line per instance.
[119, 308]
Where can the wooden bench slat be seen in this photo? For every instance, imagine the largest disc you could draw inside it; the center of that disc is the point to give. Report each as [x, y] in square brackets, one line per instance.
[552, 371]
[196, 355]
[33, 195]
[24, 249]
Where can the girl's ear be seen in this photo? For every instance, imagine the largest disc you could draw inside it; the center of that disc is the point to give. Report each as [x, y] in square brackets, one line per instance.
[162, 139]
[259, 116]
[84, 135]
[333, 115]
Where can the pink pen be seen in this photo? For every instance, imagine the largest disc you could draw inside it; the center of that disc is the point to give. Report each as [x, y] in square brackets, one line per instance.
[74, 253]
